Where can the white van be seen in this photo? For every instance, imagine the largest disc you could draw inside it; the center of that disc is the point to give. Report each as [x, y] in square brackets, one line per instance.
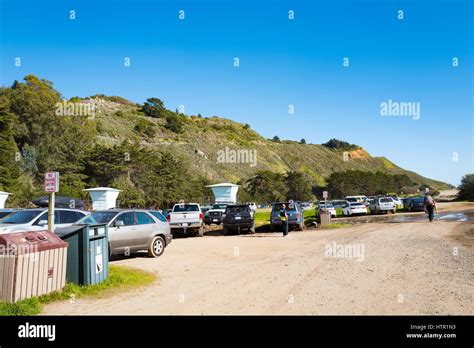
[358, 199]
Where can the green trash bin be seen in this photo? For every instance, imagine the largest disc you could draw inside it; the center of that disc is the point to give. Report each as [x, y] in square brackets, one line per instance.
[88, 253]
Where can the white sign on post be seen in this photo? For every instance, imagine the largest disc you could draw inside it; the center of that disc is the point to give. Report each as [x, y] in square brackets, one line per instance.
[325, 194]
[51, 182]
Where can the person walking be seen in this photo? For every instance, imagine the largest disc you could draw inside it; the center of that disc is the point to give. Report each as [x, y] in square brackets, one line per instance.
[284, 219]
[430, 206]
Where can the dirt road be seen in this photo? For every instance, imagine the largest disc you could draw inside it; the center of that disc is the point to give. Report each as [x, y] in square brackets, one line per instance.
[378, 268]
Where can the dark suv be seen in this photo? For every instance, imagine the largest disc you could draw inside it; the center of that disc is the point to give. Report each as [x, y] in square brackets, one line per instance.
[238, 218]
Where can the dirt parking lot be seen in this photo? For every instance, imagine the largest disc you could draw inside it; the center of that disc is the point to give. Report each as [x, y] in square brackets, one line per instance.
[372, 268]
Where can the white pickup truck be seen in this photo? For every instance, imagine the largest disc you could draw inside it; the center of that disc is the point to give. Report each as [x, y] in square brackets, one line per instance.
[186, 217]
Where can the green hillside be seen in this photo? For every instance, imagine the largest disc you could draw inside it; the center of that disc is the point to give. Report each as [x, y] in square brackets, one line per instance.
[210, 135]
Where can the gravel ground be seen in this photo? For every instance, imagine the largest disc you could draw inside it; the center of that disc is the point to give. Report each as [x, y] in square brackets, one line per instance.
[409, 268]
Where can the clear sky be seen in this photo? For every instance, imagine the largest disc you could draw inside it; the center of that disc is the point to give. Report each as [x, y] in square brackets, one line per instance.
[283, 62]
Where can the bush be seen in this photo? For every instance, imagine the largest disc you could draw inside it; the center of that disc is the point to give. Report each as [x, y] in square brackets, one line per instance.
[145, 127]
[174, 123]
[466, 189]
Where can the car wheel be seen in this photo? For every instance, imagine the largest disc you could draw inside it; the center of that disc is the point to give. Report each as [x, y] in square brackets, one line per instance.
[156, 247]
[301, 226]
[225, 231]
[252, 229]
[201, 232]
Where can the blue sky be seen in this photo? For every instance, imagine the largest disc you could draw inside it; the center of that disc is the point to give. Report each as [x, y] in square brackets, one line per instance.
[299, 62]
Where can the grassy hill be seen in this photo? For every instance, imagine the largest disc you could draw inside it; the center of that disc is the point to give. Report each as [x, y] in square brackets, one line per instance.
[202, 138]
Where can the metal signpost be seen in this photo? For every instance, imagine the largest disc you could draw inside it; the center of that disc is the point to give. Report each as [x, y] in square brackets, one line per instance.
[51, 185]
[325, 196]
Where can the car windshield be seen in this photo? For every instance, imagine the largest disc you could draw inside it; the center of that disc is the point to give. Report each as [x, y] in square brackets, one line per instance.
[21, 217]
[289, 207]
[158, 215]
[385, 200]
[238, 209]
[352, 199]
[219, 206]
[178, 208]
[98, 217]
[418, 200]
[329, 205]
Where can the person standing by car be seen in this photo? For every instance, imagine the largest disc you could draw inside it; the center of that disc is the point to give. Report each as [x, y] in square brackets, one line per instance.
[284, 219]
[430, 206]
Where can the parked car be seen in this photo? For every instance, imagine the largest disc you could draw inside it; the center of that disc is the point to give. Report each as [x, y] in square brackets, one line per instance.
[397, 200]
[37, 219]
[338, 203]
[357, 199]
[132, 230]
[238, 218]
[295, 216]
[416, 204]
[305, 206]
[264, 205]
[383, 205]
[186, 217]
[327, 207]
[406, 202]
[214, 215]
[354, 208]
[61, 202]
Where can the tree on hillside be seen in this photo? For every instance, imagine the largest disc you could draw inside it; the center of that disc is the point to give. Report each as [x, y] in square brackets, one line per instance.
[153, 107]
[266, 186]
[60, 141]
[302, 141]
[355, 182]
[29, 160]
[340, 145]
[104, 163]
[276, 139]
[9, 161]
[298, 186]
[466, 189]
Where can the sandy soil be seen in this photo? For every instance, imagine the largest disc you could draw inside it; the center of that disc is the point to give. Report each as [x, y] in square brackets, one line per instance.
[403, 268]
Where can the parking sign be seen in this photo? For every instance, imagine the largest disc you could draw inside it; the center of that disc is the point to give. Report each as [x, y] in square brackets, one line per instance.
[325, 194]
[51, 182]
